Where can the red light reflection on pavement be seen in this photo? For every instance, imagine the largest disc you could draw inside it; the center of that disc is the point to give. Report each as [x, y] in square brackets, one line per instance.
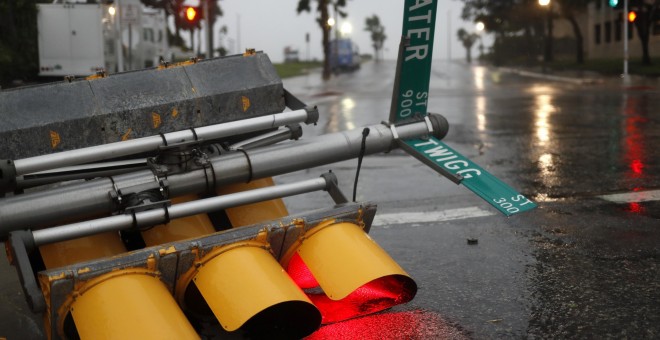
[375, 296]
[372, 297]
[635, 207]
[634, 138]
[416, 324]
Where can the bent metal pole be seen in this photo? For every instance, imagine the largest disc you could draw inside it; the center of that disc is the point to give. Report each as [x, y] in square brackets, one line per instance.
[152, 143]
[92, 198]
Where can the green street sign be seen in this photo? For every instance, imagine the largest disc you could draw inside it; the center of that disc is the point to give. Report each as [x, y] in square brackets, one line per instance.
[444, 159]
[413, 74]
[410, 99]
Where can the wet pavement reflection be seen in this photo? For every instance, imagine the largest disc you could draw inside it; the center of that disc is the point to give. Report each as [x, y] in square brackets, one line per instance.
[580, 266]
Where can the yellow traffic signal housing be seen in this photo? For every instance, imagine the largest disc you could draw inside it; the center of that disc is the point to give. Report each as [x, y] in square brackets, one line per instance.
[242, 283]
[246, 288]
[128, 304]
[356, 275]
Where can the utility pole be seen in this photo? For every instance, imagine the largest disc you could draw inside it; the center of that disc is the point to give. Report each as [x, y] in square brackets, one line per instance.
[207, 27]
[118, 48]
[626, 77]
[448, 35]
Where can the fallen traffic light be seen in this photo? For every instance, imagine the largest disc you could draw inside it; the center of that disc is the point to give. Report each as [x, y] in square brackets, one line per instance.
[245, 288]
[345, 273]
[357, 277]
[128, 303]
[241, 283]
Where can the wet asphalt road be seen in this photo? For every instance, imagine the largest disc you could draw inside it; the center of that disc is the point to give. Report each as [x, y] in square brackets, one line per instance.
[579, 266]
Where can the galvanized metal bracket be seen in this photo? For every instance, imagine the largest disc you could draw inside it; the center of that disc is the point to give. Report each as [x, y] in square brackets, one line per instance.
[7, 176]
[293, 103]
[20, 244]
[133, 196]
[333, 188]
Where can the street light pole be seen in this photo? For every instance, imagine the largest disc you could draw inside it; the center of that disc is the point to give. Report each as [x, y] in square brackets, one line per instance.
[547, 55]
[626, 78]
[550, 29]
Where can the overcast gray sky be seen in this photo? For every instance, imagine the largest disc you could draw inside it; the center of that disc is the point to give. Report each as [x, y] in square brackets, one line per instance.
[270, 25]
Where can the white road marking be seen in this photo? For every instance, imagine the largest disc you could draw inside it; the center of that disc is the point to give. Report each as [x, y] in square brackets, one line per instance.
[636, 196]
[431, 216]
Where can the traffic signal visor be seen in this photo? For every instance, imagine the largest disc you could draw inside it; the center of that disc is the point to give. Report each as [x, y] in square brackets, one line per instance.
[246, 288]
[128, 304]
[356, 276]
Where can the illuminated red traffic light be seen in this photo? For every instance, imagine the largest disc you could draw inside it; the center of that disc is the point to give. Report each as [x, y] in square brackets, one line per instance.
[191, 14]
[345, 273]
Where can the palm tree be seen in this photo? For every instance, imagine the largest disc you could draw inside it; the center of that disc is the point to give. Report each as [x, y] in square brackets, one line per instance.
[322, 20]
[468, 40]
[372, 24]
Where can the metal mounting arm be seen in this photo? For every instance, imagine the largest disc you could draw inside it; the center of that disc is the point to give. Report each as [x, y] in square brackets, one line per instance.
[92, 197]
[153, 143]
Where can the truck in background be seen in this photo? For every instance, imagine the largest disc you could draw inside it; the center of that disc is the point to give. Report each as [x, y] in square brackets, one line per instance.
[80, 39]
[344, 56]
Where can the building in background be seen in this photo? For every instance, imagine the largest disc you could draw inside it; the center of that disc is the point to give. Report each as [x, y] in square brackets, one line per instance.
[603, 34]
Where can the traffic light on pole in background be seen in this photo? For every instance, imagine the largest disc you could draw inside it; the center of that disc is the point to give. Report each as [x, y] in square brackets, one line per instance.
[632, 16]
[616, 4]
[191, 15]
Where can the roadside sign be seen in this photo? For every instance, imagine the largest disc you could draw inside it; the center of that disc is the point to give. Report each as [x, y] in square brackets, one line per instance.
[410, 99]
[443, 158]
[130, 14]
[414, 62]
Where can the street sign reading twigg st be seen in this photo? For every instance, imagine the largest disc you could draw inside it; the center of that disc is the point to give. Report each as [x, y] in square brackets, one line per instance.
[410, 99]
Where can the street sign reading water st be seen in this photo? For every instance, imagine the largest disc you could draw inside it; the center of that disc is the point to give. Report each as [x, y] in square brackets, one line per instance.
[410, 99]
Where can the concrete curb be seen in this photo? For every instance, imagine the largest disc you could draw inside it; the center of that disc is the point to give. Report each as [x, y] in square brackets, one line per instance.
[576, 81]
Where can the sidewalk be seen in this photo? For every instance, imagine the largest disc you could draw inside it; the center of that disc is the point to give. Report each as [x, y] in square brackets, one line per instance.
[584, 77]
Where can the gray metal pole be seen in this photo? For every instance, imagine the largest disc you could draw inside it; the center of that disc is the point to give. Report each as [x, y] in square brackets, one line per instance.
[159, 215]
[150, 144]
[92, 198]
[119, 51]
[207, 26]
[626, 54]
